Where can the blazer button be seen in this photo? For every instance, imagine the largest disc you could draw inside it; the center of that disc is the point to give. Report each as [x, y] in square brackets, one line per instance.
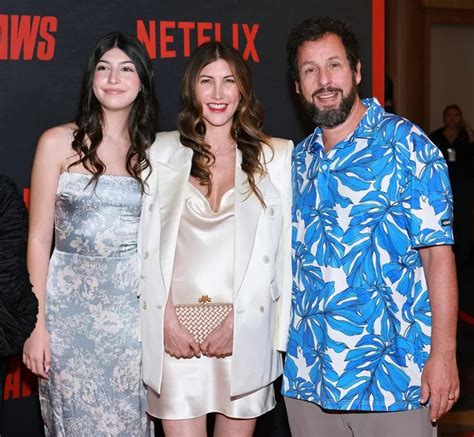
[266, 259]
[145, 255]
[144, 304]
[158, 307]
[150, 207]
[262, 308]
[271, 212]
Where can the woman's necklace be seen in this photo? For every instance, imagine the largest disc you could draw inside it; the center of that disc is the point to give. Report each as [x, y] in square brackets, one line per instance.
[225, 156]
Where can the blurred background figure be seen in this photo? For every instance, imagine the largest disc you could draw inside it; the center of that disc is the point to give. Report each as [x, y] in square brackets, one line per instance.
[18, 304]
[455, 139]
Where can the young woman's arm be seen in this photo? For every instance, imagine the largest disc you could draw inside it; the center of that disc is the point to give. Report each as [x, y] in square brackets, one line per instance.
[48, 164]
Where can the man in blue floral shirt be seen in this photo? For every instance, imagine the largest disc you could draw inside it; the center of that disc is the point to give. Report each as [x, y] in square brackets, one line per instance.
[374, 293]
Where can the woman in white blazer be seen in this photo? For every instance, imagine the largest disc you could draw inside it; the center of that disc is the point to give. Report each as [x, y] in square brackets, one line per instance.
[216, 226]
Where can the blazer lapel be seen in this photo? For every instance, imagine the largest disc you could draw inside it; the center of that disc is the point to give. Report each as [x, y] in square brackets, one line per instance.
[247, 213]
[173, 175]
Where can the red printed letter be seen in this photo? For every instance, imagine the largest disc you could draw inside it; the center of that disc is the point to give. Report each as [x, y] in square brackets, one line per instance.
[250, 49]
[217, 32]
[46, 47]
[147, 39]
[165, 39]
[23, 36]
[29, 384]
[186, 26]
[3, 37]
[26, 196]
[13, 380]
[235, 36]
[201, 37]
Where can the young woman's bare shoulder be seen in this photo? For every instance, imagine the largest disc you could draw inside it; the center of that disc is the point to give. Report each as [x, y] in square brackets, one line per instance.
[57, 137]
[54, 143]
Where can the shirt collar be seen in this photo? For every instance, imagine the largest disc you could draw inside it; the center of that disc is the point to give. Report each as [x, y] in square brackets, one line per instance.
[371, 118]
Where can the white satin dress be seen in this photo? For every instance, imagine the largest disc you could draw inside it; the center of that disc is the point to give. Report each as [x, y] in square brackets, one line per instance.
[203, 265]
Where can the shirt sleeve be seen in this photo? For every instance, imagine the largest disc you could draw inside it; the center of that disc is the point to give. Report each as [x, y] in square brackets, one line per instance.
[429, 202]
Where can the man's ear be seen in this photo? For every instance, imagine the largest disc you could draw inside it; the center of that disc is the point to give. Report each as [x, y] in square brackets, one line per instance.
[297, 87]
[358, 75]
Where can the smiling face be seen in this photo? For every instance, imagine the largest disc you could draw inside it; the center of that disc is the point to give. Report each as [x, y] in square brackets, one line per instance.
[327, 85]
[116, 83]
[218, 94]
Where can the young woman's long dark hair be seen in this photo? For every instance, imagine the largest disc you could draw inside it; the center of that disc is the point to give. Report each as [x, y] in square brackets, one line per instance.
[246, 126]
[142, 118]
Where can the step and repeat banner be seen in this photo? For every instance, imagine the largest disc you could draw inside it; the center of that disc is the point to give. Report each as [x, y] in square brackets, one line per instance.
[44, 46]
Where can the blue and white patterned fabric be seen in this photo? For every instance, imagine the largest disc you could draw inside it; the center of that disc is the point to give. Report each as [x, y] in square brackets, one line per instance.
[361, 318]
[95, 385]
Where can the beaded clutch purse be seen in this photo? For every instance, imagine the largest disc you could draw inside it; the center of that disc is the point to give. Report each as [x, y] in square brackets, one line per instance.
[200, 319]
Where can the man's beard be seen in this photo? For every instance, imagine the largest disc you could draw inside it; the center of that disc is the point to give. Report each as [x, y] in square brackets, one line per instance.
[329, 118]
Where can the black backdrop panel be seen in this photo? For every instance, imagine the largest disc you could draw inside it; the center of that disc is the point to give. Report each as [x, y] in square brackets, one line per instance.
[44, 46]
[40, 79]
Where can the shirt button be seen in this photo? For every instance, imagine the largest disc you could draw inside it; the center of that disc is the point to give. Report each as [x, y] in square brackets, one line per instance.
[145, 255]
[150, 207]
[271, 212]
[266, 259]
[158, 307]
[262, 308]
[144, 305]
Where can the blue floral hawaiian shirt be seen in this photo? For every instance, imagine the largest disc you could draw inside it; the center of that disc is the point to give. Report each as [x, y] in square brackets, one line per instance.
[361, 318]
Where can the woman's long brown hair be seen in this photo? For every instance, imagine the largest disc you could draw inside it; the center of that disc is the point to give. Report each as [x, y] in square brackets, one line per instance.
[141, 121]
[246, 126]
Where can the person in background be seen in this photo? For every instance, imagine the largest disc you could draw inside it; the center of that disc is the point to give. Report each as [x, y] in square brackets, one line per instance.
[374, 311]
[18, 304]
[87, 187]
[456, 141]
[216, 229]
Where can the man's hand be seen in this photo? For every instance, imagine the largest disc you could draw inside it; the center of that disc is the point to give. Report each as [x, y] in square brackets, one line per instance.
[440, 384]
[439, 380]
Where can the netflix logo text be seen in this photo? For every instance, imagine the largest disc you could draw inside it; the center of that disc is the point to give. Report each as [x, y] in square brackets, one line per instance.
[171, 39]
[27, 37]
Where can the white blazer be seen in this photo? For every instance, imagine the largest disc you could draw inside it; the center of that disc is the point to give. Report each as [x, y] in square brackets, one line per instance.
[262, 263]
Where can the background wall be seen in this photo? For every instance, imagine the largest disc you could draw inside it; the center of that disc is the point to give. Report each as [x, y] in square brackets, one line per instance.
[44, 46]
[411, 25]
[451, 71]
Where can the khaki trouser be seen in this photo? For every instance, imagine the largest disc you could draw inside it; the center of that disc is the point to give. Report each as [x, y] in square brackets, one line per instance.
[309, 420]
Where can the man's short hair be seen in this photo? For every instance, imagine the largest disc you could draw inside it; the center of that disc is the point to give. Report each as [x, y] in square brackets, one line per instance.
[314, 29]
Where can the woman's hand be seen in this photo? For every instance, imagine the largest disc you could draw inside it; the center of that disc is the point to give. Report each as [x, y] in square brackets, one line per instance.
[219, 342]
[37, 351]
[179, 343]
